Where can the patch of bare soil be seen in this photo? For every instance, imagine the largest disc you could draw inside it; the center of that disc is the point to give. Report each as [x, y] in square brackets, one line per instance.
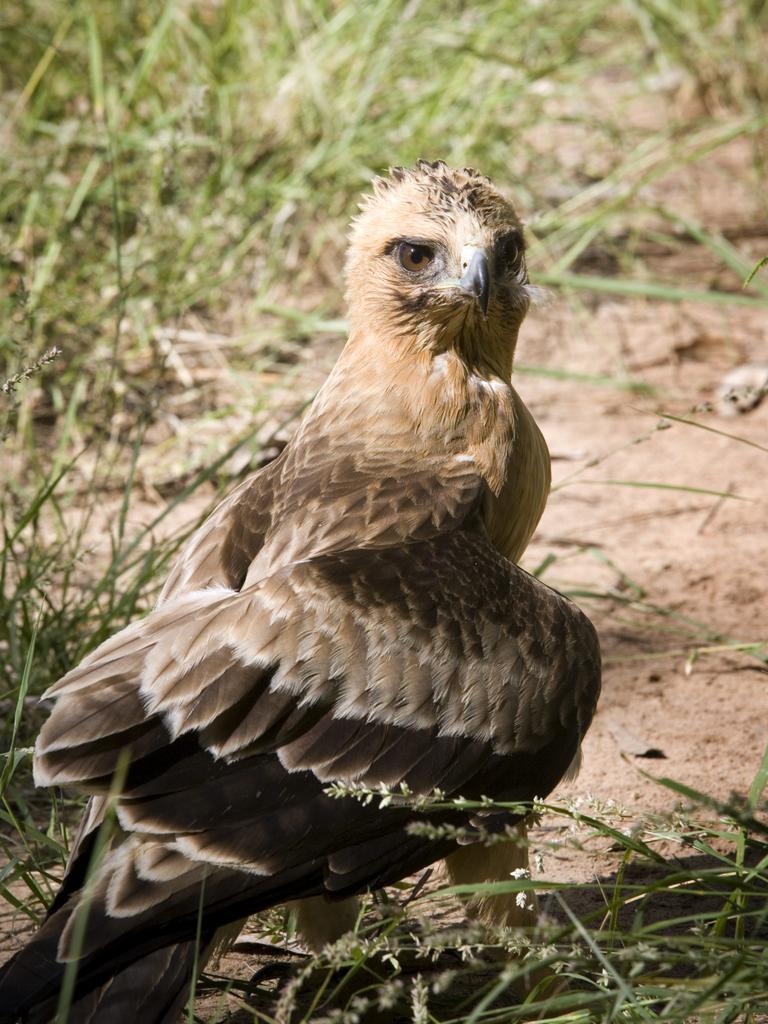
[681, 574]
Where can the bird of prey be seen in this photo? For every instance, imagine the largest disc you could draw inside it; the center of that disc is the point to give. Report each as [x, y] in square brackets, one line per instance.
[352, 613]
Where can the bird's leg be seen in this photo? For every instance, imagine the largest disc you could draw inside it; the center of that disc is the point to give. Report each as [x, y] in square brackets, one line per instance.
[320, 920]
[223, 940]
[498, 862]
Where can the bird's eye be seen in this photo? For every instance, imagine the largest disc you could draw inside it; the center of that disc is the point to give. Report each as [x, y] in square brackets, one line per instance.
[415, 257]
[509, 250]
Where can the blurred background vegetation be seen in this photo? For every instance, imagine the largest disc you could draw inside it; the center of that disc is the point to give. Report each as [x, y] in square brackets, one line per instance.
[175, 184]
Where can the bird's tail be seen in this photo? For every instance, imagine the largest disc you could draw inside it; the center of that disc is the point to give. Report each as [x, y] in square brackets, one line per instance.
[152, 990]
[136, 961]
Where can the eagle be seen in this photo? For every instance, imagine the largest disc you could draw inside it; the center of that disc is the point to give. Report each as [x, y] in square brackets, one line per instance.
[352, 614]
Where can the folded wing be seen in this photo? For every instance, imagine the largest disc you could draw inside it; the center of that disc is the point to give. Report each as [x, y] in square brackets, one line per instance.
[435, 664]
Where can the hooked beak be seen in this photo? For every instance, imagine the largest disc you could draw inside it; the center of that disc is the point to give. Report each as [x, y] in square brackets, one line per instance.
[477, 279]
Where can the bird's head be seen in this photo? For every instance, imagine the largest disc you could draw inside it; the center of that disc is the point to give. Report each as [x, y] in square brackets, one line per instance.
[437, 260]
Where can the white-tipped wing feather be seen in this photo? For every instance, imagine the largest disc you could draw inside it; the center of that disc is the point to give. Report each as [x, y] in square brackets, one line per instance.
[443, 635]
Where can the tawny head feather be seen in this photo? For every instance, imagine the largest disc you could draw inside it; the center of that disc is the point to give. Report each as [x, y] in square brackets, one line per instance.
[437, 261]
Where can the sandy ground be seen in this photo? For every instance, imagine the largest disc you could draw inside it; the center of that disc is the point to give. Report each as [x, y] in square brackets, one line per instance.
[687, 569]
[695, 563]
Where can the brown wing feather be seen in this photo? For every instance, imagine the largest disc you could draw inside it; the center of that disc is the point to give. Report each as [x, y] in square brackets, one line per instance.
[321, 494]
[482, 650]
[497, 678]
[221, 550]
[429, 663]
[276, 514]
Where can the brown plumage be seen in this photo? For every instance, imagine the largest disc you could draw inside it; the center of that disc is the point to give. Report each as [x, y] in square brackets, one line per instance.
[350, 613]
